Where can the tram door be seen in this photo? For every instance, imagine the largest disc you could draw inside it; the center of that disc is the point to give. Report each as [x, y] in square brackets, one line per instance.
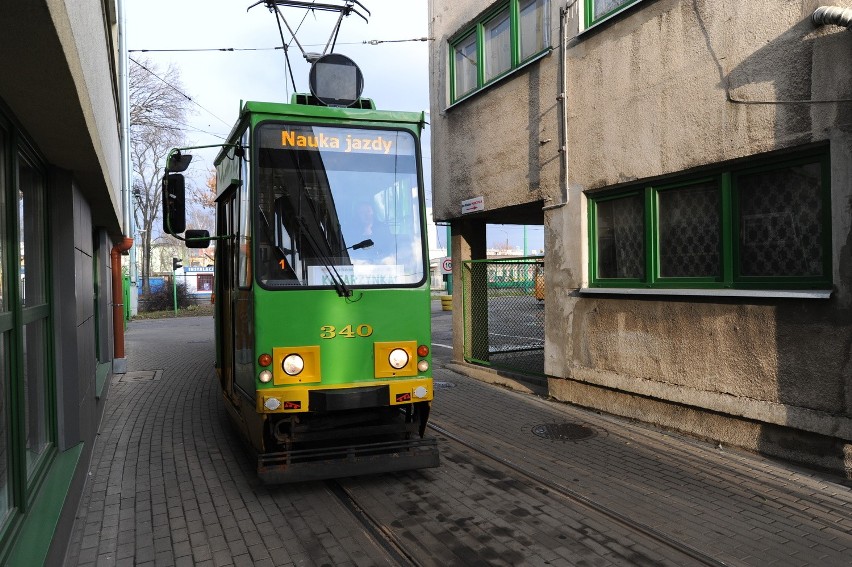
[225, 276]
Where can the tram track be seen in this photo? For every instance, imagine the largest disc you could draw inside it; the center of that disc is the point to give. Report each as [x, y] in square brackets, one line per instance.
[578, 498]
[380, 534]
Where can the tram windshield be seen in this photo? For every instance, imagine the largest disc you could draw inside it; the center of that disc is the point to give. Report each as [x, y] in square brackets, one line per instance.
[338, 203]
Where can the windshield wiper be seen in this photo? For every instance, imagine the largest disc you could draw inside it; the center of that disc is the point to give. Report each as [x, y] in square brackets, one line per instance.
[339, 285]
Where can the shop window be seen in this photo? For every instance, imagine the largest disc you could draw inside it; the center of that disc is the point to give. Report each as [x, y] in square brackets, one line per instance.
[33, 292]
[765, 225]
[204, 282]
[6, 326]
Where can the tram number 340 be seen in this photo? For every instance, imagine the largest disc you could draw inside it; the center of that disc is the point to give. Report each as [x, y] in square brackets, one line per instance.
[349, 331]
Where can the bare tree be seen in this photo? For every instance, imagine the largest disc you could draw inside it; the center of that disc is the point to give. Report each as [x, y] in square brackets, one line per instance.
[158, 110]
[201, 211]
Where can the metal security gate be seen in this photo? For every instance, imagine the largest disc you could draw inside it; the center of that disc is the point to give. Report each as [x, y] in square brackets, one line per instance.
[503, 306]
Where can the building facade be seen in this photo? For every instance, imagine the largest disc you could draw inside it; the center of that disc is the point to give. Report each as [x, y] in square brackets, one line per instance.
[60, 198]
[691, 162]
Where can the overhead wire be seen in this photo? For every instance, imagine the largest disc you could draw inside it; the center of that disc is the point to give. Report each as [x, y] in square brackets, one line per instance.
[235, 49]
[177, 90]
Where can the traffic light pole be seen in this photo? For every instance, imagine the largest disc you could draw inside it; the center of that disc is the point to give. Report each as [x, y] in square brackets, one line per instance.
[175, 265]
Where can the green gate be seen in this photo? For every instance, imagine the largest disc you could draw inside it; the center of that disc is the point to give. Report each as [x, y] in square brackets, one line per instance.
[503, 307]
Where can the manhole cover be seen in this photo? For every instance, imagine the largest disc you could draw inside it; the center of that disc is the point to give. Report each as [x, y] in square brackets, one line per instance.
[563, 431]
[142, 376]
[441, 385]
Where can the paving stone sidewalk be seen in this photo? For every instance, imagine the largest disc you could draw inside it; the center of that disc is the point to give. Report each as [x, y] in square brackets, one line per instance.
[170, 483]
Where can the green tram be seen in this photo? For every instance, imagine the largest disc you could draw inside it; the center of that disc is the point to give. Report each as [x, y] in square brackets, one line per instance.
[322, 300]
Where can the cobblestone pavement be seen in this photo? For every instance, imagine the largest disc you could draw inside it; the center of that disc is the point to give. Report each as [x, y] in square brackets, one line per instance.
[522, 481]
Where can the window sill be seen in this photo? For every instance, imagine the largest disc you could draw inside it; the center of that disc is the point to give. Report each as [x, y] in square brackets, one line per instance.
[500, 79]
[756, 293]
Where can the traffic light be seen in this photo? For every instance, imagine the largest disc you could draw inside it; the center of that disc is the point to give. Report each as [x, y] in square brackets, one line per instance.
[174, 205]
[176, 263]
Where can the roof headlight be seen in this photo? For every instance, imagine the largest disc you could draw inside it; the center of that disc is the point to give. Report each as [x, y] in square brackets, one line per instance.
[398, 358]
[292, 364]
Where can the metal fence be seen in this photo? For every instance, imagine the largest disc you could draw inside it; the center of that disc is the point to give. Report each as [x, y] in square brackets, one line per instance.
[503, 302]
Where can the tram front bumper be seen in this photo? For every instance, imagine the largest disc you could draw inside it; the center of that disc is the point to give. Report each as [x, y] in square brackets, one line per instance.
[352, 460]
[297, 399]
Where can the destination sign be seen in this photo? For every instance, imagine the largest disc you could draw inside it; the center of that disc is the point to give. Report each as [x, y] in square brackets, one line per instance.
[379, 144]
[343, 140]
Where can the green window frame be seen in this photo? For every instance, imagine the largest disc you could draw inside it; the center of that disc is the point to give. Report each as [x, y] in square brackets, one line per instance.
[508, 36]
[28, 419]
[765, 224]
[596, 11]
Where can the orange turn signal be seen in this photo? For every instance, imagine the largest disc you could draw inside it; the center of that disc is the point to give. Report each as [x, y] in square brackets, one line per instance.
[422, 350]
[264, 359]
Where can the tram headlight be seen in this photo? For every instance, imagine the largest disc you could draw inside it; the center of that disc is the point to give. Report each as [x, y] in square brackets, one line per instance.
[292, 364]
[265, 376]
[398, 358]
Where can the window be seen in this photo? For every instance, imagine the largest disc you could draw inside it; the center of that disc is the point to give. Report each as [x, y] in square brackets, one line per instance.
[532, 27]
[27, 392]
[498, 45]
[33, 291]
[244, 268]
[765, 225]
[204, 282]
[466, 65]
[508, 36]
[337, 204]
[6, 329]
[599, 10]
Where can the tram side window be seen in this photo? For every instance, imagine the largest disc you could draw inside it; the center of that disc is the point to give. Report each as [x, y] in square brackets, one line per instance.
[245, 251]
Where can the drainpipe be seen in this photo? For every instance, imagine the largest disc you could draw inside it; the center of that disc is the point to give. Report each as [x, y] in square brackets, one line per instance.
[825, 15]
[562, 99]
[126, 170]
[119, 363]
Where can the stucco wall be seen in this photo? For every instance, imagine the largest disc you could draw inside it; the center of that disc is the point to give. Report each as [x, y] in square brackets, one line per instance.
[667, 87]
[662, 90]
[501, 143]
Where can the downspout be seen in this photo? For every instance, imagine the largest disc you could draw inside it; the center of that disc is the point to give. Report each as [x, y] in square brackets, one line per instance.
[562, 99]
[119, 362]
[830, 15]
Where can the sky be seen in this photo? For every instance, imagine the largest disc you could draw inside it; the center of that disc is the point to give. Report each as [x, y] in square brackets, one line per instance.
[396, 73]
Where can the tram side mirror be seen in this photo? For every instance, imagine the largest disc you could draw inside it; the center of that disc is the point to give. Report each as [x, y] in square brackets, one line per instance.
[174, 203]
[197, 239]
[178, 162]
